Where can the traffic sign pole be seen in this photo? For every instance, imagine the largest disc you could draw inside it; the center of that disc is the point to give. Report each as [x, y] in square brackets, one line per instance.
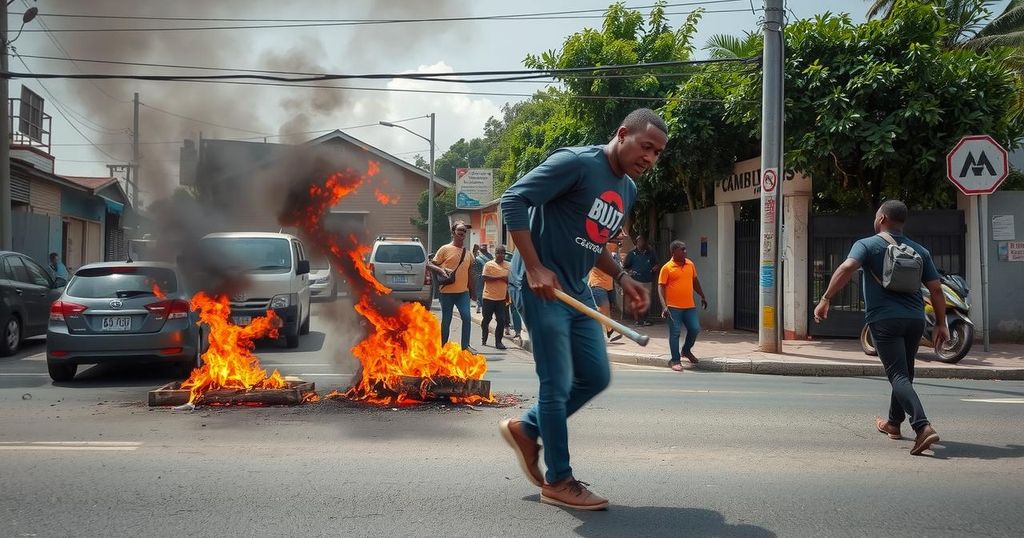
[983, 217]
[977, 165]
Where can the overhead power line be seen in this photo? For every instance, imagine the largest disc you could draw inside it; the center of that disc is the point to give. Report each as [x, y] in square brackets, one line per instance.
[75, 127]
[507, 75]
[308, 23]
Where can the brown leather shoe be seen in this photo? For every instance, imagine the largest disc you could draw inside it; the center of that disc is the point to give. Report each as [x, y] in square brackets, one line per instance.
[690, 357]
[527, 450]
[572, 493]
[925, 439]
[887, 428]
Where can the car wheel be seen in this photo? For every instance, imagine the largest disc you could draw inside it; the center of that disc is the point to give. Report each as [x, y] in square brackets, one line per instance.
[11, 339]
[61, 372]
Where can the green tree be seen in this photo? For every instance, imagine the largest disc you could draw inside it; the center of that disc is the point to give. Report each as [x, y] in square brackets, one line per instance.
[872, 109]
[725, 46]
[971, 22]
[444, 203]
[599, 101]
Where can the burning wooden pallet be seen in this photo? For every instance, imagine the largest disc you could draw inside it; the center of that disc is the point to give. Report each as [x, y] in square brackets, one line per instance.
[294, 393]
[437, 388]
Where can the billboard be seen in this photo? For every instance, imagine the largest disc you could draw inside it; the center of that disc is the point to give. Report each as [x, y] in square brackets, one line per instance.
[474, 187]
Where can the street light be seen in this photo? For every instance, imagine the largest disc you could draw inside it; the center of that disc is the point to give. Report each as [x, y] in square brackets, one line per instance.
[6, 235]
[430, 188]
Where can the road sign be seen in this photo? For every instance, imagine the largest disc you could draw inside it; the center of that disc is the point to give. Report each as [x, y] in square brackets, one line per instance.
[977, 165]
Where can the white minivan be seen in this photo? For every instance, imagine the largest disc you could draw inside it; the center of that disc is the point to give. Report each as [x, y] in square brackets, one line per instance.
[277, 271]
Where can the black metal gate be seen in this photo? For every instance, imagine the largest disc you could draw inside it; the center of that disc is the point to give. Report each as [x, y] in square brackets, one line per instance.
[746, 286]
[941, 232]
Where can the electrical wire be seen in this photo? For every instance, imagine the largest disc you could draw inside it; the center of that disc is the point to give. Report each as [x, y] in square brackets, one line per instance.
[279, 22]
[304, 73]
[75, 127]
[180, 116]
[62, 50]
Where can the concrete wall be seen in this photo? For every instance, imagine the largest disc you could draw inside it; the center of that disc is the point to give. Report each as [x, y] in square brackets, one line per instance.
[695, 228]
[1006, 279]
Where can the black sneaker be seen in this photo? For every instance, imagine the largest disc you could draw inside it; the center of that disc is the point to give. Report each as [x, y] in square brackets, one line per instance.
[499, 345]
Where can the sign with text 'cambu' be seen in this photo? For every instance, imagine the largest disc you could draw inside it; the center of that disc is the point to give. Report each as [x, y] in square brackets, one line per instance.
[744, 183]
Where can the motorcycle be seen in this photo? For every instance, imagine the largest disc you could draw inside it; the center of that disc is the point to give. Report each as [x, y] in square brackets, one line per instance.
[961, 328]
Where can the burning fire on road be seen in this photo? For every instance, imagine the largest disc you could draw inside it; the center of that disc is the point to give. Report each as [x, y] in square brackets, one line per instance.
[402, 359]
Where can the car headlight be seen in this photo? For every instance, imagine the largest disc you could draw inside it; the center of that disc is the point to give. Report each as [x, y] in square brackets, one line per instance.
[320, 281]
[281, 301]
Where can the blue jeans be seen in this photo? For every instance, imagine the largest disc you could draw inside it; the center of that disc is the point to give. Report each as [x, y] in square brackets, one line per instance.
[460, 301]
[678, 318]
[571, 359]
[517, 320]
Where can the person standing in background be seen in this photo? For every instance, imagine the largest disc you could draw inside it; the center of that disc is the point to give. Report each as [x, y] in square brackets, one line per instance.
[642, 264]
[676, 283]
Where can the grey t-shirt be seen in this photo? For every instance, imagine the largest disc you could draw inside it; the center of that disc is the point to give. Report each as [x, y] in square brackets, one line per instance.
[573, 204]
[881, 303]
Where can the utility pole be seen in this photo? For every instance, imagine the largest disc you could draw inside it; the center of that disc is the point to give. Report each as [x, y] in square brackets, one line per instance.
[5, 139]
[430, 191]
[135, 155]
[770, 279]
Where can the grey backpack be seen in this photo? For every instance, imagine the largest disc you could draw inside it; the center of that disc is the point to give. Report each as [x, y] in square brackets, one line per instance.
[902, 267]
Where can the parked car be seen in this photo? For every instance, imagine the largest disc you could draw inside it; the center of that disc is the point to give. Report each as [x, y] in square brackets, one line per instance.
[26, 291]
[277, 272]
[122, 312]
[324, 282]
[400, 263]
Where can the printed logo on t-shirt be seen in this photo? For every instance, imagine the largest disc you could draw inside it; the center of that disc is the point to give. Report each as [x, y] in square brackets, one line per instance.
[605, 216]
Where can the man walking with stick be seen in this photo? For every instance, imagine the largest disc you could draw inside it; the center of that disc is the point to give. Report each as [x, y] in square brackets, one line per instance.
[894, 268]
[561, 216]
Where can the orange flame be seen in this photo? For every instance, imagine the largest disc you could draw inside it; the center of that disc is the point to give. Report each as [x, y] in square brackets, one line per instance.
[404, 340]
[158, 292]
[229, 362]
[384, 198]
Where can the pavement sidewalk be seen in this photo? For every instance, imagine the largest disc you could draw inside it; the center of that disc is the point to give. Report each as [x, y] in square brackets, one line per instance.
[736, 352]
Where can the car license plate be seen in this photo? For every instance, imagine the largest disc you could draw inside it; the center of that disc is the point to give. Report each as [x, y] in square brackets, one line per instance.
[116, 323]
[399, 279]
[241, 320]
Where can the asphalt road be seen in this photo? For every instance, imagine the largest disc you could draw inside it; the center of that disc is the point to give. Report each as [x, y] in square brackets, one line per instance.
[692, 454]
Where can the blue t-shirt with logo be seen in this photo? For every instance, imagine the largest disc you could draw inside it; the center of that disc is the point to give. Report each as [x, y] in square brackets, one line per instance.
[573, 204]
[880, 303]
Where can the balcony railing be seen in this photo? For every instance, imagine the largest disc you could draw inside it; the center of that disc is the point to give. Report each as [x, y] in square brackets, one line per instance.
[28, 126]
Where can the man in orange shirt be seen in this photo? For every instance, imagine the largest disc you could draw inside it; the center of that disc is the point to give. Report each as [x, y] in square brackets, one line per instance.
[602, 286]
[495, 276]
[676, 284]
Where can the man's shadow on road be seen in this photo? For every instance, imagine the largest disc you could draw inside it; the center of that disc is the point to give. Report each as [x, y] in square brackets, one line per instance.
[953, 450]
[667, 521]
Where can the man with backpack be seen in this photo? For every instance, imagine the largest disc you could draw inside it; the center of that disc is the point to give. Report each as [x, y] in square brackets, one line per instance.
[894, 269]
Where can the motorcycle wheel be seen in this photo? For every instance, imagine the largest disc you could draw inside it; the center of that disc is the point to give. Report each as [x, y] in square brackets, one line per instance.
[961, 336]
[867, 343]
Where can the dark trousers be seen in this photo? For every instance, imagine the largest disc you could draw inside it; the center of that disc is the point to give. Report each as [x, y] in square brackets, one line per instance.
[897, 341]
[496, 309]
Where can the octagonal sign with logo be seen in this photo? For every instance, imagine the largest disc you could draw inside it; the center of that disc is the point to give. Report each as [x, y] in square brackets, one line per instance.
[977, 165]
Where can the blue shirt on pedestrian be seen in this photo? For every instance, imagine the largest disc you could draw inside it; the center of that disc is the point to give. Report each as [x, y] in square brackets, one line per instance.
[573, 204]
[880, 303]
[641, 265]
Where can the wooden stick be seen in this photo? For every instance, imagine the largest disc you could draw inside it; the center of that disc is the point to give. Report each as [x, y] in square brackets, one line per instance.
[641, 339]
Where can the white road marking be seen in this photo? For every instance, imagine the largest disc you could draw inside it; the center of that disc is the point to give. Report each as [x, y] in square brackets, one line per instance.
[23, 375]
[994, 400]
[324, 375]
[96, 446]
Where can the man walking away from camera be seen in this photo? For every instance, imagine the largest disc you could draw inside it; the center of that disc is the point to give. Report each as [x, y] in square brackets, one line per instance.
[894, 313]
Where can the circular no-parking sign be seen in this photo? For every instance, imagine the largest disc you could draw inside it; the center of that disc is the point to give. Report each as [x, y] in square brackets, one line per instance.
[770, 179]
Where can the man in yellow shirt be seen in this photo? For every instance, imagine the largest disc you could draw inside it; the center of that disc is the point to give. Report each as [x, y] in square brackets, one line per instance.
[495, 276]
[452, 259]
[676, 283]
